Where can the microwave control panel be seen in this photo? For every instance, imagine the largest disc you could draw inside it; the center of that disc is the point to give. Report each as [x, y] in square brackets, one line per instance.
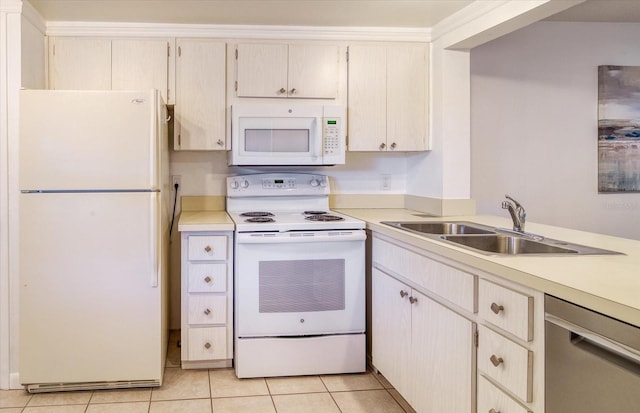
[331, 135]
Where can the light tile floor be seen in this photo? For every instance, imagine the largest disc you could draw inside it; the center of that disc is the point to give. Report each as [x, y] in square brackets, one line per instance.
[219, 391]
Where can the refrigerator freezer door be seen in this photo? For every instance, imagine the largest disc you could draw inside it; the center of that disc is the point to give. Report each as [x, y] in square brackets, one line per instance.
[75, 140]
[89, 310]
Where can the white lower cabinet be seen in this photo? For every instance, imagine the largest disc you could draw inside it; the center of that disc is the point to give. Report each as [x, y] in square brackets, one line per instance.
[422, 347]
[207, 299]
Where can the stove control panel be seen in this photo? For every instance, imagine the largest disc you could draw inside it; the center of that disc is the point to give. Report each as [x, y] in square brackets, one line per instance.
[277, 184]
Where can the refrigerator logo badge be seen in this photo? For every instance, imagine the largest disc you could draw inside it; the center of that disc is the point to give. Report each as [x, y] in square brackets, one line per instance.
[137, 101]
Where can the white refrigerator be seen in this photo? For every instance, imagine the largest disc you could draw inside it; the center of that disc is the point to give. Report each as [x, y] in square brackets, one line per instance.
[93, 246]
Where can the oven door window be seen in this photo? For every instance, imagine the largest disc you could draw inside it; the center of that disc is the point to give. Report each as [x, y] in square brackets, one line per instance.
[301, 286]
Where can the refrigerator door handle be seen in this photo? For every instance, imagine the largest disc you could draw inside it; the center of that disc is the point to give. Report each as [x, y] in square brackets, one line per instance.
[155, 242]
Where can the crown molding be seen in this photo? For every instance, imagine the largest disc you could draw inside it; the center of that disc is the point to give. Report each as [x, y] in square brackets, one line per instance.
[465, 16]
[32, 15]
[11, 6]
[113, 29]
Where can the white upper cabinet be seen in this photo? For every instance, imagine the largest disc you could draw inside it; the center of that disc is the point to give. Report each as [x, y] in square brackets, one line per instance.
[388, 99]
[79, 63]
[200, 110]
[281, 70]
[104, 64]
[140, 64]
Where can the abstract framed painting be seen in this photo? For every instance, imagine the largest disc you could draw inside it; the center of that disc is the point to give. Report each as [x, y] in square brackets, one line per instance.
[618, 129]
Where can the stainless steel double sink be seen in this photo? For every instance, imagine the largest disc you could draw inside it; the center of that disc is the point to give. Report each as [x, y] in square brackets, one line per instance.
[494, 241]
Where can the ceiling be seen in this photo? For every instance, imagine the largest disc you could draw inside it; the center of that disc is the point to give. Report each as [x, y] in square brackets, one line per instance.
[353, 13]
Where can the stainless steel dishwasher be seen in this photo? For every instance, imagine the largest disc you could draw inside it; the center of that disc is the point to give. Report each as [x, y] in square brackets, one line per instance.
[592, 362]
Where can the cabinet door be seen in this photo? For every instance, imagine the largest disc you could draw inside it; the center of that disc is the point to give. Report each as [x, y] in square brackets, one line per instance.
[367, 89]
[390, 331]
[262, 70]
[79, 63]
[200, 109]
[407, 76]
[140, 64]
[313, 71]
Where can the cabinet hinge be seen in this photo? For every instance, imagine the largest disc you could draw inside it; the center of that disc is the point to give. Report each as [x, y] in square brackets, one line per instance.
[179, 140]
[179, 51]
[475, 338]
[347, 53]
[168, 50]
[236, 85]
[236, 54]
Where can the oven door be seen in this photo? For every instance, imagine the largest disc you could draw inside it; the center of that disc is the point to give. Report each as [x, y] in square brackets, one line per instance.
[300, 283]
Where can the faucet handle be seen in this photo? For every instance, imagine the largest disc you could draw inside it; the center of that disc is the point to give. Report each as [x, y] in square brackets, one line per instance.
[517, 204]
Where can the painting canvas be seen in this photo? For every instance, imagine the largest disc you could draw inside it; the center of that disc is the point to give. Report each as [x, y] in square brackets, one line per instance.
[618, 129]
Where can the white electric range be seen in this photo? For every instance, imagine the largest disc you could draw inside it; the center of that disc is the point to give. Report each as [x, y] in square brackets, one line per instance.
[299, 278]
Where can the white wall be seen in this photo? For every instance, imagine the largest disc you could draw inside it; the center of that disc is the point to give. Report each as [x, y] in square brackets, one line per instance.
[534, 124]
[204, 173]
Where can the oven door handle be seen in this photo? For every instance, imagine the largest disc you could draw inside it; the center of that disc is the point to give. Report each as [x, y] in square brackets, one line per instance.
[300, 237]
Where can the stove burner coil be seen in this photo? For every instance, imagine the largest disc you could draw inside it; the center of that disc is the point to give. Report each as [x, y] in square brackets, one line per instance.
[314, 212]
[324, 218]
[256, 214]
[259, 219]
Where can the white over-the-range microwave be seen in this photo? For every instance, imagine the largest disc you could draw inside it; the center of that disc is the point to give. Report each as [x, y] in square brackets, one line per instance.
[287, 134]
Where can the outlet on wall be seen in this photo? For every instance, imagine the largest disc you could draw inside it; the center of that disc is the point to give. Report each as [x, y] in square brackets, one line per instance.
[386, 182]
[175, 179]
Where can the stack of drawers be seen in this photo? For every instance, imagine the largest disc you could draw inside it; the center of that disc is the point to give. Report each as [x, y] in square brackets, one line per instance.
[206, 300]
[505, 356]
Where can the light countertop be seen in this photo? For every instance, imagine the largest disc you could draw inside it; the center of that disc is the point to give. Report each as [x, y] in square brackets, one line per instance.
[205, 221]
[609, 284]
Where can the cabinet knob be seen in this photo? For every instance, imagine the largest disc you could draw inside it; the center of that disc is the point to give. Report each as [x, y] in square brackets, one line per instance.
[207, 311]
[293, 90]
[496, 308]
[382, 145]
[207, 279]
[207, 346]
[220, 142]
[403, 293]
[413, 300]
[494, 411]
[282, 90]
[495, 360]
[208, 248]
[393, 145]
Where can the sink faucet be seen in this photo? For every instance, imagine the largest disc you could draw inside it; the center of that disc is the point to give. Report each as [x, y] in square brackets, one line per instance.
[518, 214]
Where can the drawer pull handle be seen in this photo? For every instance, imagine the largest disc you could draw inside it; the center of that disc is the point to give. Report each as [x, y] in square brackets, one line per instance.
[403, 293]
[207, 311]
[496, 308]
[496, 361]
[413, 300]
[208, 248]
[207, 346]
[208, 279]
[494, 411]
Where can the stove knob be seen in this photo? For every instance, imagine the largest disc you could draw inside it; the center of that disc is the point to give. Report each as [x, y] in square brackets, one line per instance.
[235, 185]
[245, 184]
[323, 183]
[314, 182]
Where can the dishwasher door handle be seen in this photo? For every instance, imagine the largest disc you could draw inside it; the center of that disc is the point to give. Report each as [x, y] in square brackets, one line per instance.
[581, 335]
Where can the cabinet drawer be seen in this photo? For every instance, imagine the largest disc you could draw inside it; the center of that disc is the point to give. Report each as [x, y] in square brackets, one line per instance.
[449, 283]
[492, 399]
[507, 309]
[207, 247]
[207, 309]
[505, 362]
[207, 277]
[208, 343]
